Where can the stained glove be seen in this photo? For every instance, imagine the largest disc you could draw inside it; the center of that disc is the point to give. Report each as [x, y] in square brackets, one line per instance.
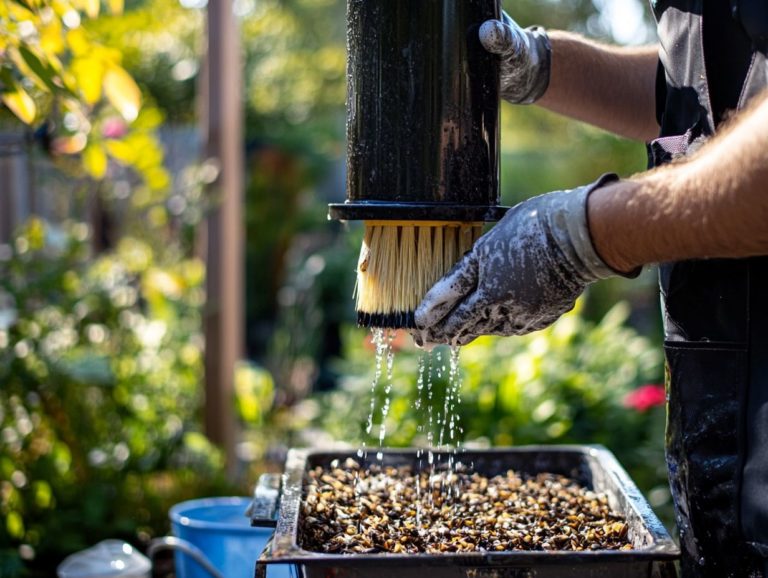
[525, 58]
[520, 276]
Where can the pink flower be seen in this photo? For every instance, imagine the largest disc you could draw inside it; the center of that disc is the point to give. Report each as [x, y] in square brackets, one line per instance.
[114, 127]
[646, 397]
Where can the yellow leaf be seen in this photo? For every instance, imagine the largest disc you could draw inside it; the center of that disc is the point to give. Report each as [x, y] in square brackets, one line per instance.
[19, 12]
[158, 179]
[95, 161]
[92, 8]
[20, 103]
[121, 151]
[61, 7]
[51, 38]
[164, 282]
[122, 92]
[79, 43]
[34, 67]
[89, 76]
[116, 6]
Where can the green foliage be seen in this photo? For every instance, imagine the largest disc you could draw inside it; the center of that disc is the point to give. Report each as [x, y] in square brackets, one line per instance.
[254, 394]
[274, 212]
[565, 384]
[48, 57]
[54, 73]
[295, 64]
[50, 61]
[100, 361]
[160, 42]
[541, 151]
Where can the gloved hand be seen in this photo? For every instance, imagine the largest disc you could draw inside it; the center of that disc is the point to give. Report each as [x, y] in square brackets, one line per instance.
[525, 58]
[520, 276]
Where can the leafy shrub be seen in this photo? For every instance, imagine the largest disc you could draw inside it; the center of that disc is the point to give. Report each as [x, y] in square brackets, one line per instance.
[99, 364]
[570, 383]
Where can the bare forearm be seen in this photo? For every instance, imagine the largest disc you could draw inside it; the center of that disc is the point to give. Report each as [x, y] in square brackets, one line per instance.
[608, 86]
[714, 204]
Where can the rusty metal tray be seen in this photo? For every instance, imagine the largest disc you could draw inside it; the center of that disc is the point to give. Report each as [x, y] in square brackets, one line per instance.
[595, 467]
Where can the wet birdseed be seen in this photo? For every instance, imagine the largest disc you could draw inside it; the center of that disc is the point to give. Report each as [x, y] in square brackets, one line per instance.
[349, 510]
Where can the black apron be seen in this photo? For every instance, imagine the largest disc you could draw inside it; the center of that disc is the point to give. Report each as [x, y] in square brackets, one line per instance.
[715, 311]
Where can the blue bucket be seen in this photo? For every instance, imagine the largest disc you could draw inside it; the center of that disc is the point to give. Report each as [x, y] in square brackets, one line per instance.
[220, 529]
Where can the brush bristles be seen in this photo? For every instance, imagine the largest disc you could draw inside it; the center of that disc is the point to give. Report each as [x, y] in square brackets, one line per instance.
[399, 263]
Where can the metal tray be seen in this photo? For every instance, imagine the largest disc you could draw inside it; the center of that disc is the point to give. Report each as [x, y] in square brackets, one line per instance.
[593, 466]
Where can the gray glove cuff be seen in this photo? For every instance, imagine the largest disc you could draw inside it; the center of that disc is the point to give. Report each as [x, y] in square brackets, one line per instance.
[540, 51]
[569, 227]
[526, 58]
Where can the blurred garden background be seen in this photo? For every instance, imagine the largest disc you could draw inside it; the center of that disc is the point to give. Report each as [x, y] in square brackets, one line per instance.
[107, 188]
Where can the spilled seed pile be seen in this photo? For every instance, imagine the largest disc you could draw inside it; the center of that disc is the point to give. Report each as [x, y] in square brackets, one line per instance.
[348, 510]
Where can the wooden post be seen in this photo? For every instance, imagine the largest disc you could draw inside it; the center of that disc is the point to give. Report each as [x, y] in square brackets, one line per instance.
[16, 200]
[223, 317]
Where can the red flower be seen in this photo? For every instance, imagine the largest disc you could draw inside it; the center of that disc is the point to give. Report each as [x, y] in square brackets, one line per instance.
[646, 397]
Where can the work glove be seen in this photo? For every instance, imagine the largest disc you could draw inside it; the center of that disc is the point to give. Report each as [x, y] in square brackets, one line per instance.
[520, 276]
[525, 58]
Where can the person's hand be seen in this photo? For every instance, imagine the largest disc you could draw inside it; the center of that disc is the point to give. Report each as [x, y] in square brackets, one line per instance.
[525, 58]
[519, 277]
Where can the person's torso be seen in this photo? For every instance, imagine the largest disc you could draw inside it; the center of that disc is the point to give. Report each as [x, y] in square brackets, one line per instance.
[713, 62]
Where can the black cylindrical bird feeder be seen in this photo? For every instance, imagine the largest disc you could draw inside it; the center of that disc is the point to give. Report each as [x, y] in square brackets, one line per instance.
[422, 112]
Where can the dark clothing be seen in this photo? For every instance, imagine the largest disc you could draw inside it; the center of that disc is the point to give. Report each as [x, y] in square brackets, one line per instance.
[716, 311]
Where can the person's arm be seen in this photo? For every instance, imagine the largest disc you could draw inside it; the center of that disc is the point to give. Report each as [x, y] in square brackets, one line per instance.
[713, 204]
[611, 87]
[532, 266]
[608, 86]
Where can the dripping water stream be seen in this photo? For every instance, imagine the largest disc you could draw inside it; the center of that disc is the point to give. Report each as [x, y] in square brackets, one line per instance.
[439, 430]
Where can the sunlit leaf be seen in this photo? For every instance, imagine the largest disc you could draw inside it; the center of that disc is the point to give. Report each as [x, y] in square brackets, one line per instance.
[92, 7]
[122, 92]
[51, 37]
[19, 11]
[149, 118]
[193, 271]
[158, 179]
[17, 100]
[14, 525]
[35, 233]
[164, 282]
[89, 76]
[78, 42]
[121, 151]
[254, 389]
[61, 7]
[7, 467]
[116, 6]
[32, 66]
[95, 161]
[43, 494]
[135, 253]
